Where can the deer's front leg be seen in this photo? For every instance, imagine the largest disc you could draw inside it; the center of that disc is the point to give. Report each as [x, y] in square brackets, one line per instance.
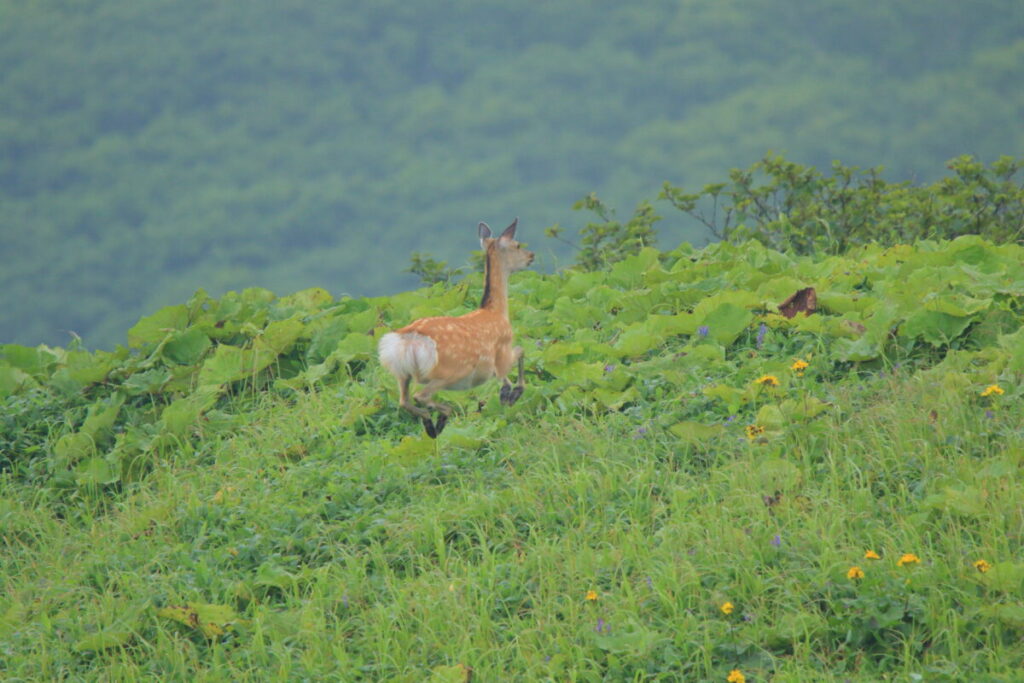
[510, 394]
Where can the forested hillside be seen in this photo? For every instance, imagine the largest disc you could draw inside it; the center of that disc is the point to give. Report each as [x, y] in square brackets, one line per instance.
[150, 149]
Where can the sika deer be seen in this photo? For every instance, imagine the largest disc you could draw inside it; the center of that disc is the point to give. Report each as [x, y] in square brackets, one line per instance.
[455, 353]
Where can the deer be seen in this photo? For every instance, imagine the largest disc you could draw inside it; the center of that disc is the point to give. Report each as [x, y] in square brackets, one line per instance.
[454, 353]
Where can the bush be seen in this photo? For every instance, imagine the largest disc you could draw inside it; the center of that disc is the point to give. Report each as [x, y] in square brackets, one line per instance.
[796, 208]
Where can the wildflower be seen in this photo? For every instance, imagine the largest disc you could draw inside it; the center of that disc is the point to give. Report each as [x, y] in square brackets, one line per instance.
[591, 595]
[702, 331]
[908, 558]
[768, 381]
[754, 431]
[727, 607]
[736, 676]
[609, 368]
[761, 331]
[982, 566]
[600, 627]
[872, 555]
[799, 365]
[776, 540]
[855, 573]
[992, 389]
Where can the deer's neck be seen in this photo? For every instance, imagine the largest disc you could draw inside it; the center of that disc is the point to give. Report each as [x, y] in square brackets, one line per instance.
[495, 285]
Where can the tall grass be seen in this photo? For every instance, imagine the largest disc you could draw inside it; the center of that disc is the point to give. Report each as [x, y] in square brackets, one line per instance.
[565, 547]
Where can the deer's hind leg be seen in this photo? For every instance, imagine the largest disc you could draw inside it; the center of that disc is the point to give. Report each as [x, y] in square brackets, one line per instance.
[409, 406]
[443, 409]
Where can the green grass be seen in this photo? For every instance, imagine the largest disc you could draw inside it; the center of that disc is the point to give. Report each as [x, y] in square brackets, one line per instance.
[341, 560]
[237, 496]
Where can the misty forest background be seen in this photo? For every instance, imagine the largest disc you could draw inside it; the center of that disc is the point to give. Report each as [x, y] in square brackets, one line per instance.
[149, 149]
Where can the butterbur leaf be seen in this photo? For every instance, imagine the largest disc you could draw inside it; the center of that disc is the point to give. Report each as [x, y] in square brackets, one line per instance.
[154, 328]
[279, 336]
[211, 620]
[413, 448]
[36, 361]
[770, 416]
[13, 380]
[856, 350]
[934, 327]
[695, 433]
[103, 640]
[1010, 615]
[186, 347]
[727, 322]
[456, 673]
[803, 301]
[306, 300]
[355, 346]
[637, 340]
[1007, 577]
[95, 471]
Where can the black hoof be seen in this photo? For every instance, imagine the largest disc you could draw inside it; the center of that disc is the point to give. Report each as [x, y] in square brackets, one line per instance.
[510, 394]
[432, 432]
[439, 424]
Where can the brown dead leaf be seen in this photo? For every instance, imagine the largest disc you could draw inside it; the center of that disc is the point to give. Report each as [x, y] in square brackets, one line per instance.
[803, 301]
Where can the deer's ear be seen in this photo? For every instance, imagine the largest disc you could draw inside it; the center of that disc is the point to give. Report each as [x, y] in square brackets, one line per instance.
[510, 231]
[485, 232]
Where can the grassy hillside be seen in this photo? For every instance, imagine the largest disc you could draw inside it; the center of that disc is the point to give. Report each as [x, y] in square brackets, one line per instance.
[150, 148]
[693, 485]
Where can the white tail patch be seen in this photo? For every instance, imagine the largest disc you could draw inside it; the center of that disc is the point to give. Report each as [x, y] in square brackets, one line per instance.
[408, 354]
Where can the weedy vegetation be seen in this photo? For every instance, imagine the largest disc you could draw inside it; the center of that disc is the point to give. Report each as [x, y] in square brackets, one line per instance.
[699, 484]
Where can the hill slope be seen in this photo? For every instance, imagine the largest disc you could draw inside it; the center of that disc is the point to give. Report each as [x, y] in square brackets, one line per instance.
[238, 497]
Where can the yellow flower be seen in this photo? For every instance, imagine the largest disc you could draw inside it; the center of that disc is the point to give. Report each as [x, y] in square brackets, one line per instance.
[736, 676]
[727, 607]
[768, 380]
[908, 558]
[982, 566]
[993, 389]
[799, 365]
[754, 431]
[855, 573]
[872, 555]
[591, 595]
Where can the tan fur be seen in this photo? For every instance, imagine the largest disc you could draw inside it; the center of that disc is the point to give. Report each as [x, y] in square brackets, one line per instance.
[470, 349]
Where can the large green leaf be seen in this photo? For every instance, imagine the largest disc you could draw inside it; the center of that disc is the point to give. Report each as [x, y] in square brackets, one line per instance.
[96, 471]
[727, 322]
[278, 337]
[36, 361]
[186, 347]
[154, 328]
[938, 329]
[228, 364]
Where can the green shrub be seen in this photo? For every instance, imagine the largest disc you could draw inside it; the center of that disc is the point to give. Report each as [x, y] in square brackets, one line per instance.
[797, 208]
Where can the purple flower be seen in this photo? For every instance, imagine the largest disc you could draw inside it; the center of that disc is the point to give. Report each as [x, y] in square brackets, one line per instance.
[761, 331]
[776, 540]
[609, 368]
[989, 414]
[600, 625]
[702, 331]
